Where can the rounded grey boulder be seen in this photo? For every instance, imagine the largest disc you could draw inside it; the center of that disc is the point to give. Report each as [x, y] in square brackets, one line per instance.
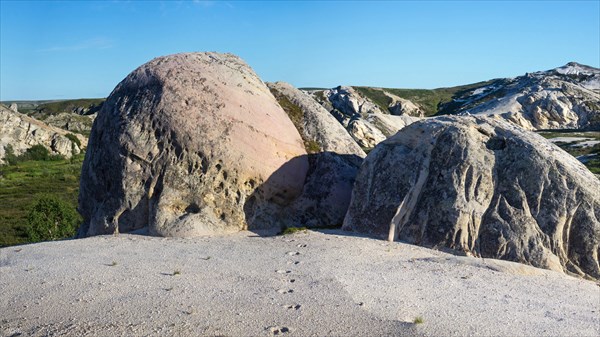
[183, 145]
[484, 187]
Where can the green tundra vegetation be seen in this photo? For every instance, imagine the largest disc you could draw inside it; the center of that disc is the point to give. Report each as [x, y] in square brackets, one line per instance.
[431, 100]
[35, 188]
[54, 107]
[90, 105]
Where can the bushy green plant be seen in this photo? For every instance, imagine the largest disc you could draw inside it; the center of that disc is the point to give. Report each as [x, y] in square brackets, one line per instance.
[51, 218]
[36, 152]
[9, 155]
[39, 153]
[312, 146]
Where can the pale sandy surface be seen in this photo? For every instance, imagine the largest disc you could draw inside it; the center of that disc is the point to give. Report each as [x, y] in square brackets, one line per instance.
[311, 283]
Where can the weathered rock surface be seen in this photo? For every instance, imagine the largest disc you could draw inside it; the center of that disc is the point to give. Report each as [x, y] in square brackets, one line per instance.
[22, 132]
[350, 102]
[182, 145]
[482, 186]
[72, 122]
[376, 127]
[364, 120]
[403, 107]
[389, 125]
[334, 159]
[567, 97]
[317, 124]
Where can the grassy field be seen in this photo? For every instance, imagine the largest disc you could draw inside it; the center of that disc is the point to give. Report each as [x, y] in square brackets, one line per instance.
[22, 183]
[54, 108]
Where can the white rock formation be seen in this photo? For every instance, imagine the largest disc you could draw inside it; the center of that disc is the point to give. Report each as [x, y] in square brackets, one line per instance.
[318, 124]
[22, 132]
[364, 120]
[482, 186]
[403, 107]
[567, 97]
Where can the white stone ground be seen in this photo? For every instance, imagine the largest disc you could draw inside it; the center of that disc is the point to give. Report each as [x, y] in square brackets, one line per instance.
[311, 283]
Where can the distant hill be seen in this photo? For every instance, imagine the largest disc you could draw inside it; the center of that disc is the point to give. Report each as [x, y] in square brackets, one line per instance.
[430, 100]
[566, 97]
[76, 115]
[81, 106]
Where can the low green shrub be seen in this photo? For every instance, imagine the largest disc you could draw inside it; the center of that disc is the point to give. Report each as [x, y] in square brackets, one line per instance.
[9, 155]
[51, 218]
[34, 153]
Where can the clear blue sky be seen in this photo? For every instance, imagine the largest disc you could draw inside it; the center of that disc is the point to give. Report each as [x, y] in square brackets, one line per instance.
[72, 49]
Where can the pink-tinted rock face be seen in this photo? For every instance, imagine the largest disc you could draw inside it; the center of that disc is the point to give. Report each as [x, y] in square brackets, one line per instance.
[181, 144]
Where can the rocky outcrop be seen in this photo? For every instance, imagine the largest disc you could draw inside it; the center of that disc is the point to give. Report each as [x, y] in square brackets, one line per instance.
[72, 122]
[22, 132]
[388, 125]
[14, 107]
[567, 97]
[376, 127]
[364, 120]
[350, 102]
[185, 145]
[403, 107]
[365, 133]
[334, 159]
[482, 186]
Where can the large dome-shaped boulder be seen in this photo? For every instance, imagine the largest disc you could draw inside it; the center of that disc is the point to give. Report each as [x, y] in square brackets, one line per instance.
[182, 145]
[484, 187]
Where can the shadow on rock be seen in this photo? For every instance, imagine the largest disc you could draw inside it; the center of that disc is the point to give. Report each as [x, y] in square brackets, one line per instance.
[323, 202]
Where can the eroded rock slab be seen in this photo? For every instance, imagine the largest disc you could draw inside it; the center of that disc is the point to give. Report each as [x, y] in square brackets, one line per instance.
[482, 186]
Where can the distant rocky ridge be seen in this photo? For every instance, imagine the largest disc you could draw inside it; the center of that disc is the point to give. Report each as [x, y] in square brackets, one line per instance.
[22, 132]
[482, 186]
[567, 97]
[72, 122]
